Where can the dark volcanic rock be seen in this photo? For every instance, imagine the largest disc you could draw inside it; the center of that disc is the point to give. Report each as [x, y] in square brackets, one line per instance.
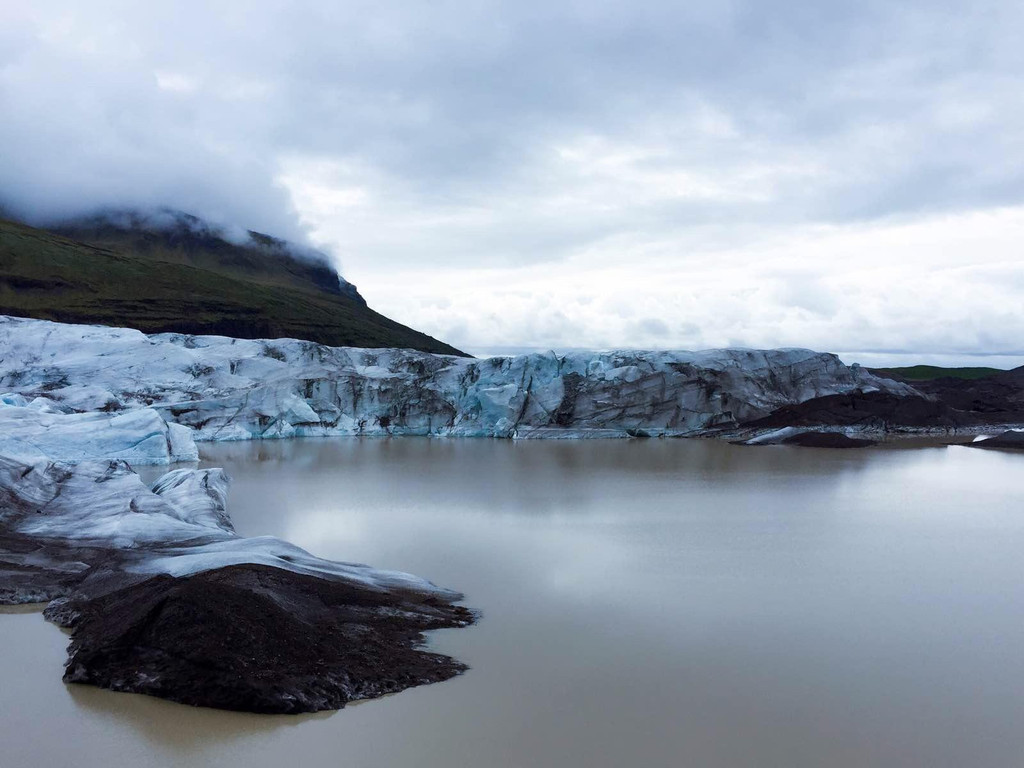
[943, 404]
[879, 411]
[990, 400]
[826, 440]
[254, 638]
[1009, 439]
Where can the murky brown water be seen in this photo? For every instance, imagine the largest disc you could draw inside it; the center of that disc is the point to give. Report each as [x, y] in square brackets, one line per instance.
[646, 603]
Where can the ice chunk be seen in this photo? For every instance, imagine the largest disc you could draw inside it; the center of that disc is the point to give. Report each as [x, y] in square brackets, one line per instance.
[199, 497]
[39, 431]
[180, 526]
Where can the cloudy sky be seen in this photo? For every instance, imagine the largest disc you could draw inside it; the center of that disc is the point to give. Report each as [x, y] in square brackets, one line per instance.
[844, 176]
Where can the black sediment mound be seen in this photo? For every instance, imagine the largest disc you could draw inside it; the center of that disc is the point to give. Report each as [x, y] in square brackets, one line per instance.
[826, 440]
[253, 638]
[946, 403]
[985, 400]
[1009, 439]
[870, 410]
[303, 636]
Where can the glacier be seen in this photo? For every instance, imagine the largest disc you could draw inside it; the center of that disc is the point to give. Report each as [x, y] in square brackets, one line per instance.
[151, 579]
[178, 526]
[45, 430]
[237, 389]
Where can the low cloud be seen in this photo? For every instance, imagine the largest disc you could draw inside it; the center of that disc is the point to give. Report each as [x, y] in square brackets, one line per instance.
[882, 293]
[754, 173]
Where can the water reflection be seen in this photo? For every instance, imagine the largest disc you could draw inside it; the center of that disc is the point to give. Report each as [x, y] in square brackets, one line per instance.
[649, 603]
[175, 728]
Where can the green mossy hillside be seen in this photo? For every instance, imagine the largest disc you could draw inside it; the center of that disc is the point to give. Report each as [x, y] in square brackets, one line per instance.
[224, 290]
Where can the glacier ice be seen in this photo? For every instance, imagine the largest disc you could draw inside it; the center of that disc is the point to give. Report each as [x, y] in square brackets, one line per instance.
[43, 429]
[238, 389]
[103, 512]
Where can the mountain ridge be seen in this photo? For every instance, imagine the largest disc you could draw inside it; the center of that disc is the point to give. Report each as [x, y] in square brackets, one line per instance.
[167, 234]
[189, 277]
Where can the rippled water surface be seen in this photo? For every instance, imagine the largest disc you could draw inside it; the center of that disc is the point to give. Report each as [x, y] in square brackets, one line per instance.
[645, 603]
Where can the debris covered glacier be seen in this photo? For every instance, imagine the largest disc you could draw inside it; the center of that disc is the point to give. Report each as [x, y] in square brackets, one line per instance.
[177, 526]
[163, 597]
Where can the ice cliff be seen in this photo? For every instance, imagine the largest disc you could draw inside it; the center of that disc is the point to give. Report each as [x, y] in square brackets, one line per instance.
[236, 389]
[42, 429]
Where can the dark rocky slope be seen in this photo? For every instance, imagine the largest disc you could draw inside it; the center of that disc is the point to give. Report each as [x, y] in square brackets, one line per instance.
[867, 411]
[997, 398]
[941, 404]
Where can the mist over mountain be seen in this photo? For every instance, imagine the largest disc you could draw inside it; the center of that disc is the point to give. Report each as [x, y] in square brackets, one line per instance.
[564, 174]
[176, 235]
[180, 225]
[168, 271]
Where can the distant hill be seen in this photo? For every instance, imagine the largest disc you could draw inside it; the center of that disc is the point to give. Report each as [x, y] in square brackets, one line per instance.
[171, 272]
[930, 372]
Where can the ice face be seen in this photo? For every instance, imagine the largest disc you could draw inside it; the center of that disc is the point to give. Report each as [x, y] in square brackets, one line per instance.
[239, 389]
[197, 497]
[39, 431]
[106, 504]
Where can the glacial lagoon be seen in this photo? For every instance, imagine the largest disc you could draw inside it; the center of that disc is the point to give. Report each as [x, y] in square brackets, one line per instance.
[643, 602]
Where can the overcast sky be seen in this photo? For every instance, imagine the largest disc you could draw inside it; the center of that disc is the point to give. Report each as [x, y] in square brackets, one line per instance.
[847, 176]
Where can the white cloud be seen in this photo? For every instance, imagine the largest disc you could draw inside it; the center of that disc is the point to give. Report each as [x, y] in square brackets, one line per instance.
[943, 288]
[175, 81]
[563, 173]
